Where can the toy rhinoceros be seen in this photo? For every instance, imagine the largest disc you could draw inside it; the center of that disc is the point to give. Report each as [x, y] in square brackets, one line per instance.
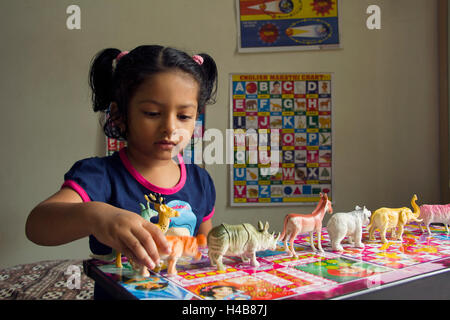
[239, 240]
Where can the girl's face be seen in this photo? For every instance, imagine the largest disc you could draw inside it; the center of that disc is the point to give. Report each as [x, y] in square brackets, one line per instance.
[162, 113]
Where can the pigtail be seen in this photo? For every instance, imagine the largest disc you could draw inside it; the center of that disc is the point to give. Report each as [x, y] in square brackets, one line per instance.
[209, 71]
[101, 79]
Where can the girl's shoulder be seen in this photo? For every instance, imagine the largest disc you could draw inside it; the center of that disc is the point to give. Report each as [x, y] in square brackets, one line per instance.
[96, 164]
[100, 160]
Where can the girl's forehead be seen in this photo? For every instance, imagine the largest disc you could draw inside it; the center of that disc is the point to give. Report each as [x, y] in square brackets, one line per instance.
[168, 85]
[161, 81]
[171, 74]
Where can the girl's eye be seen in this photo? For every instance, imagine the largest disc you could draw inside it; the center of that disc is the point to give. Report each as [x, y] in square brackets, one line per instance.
[184, 117]
[151, 114]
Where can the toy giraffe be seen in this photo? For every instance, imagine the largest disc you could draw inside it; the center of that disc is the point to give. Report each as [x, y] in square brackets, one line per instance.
[164, 214]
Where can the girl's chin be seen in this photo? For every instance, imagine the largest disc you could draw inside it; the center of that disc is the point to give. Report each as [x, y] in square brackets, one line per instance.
[166, 154]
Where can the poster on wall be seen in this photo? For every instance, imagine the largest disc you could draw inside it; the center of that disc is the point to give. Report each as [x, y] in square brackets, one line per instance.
[282, 138]
[192, 153]
[281, 25]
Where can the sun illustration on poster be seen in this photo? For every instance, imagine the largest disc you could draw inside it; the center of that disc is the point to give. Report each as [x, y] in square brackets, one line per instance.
[322, 6]
[268, 33]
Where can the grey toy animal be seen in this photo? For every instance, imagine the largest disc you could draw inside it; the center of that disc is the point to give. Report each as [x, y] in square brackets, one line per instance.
[241, 240]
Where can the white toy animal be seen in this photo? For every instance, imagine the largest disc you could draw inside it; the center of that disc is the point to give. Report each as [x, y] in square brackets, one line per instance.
[348, 224]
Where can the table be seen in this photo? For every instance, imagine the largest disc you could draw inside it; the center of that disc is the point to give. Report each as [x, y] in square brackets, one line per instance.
[417, 267]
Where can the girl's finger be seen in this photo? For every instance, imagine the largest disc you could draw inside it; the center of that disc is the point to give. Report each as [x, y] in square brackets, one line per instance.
[158, 237]
[146, 240]
[133, 245]
[123, 249]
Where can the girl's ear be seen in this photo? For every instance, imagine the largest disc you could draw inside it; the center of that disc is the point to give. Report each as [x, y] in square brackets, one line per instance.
[116, 118]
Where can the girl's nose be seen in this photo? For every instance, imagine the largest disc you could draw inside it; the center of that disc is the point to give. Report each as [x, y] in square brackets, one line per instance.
[169, 125]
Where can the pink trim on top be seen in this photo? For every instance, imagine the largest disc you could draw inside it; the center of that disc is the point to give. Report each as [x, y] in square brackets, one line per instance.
[139, 178]
[209, 216]
[77, 188]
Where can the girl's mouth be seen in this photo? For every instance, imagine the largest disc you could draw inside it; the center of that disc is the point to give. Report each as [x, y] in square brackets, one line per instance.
[165, 144]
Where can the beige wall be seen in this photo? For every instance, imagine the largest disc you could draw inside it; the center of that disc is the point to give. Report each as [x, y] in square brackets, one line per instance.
[385, 107]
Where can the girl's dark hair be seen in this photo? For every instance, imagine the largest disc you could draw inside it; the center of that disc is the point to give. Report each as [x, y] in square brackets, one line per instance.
[118, 83]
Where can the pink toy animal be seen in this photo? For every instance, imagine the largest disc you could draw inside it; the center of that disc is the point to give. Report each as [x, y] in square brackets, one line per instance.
[295, 224]
[435, 213]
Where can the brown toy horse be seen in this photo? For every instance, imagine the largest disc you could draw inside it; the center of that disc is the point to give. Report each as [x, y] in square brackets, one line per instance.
[295, 224]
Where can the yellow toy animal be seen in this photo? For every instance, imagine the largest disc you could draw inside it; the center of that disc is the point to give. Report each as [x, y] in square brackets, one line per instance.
[389, 219]
[164, 214]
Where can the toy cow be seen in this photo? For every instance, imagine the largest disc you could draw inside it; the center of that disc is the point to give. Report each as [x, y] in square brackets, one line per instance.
[239, 240]
[348, 224]
[435, 213]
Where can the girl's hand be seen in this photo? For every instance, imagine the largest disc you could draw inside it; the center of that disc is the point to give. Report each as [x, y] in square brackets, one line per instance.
[131, 235]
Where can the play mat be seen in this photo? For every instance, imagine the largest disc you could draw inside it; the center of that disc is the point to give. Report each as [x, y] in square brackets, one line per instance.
[308, 276]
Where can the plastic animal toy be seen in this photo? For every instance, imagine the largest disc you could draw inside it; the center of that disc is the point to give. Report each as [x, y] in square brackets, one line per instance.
[389, 219]
[239, 240]
[434, 214]
[181, 246]
[348, 224]
[147, 213]
[295, 224]
[164, 214]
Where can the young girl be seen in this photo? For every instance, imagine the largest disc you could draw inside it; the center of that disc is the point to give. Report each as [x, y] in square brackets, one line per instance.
[151, 96]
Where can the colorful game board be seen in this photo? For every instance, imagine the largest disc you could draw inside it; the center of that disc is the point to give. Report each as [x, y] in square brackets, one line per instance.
[308, 276]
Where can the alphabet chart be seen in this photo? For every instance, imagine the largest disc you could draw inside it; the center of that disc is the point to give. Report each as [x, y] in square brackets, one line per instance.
[282, 125]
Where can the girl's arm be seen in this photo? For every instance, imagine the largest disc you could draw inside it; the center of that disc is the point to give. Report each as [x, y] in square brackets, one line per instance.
[64, 218]
[205, 227]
